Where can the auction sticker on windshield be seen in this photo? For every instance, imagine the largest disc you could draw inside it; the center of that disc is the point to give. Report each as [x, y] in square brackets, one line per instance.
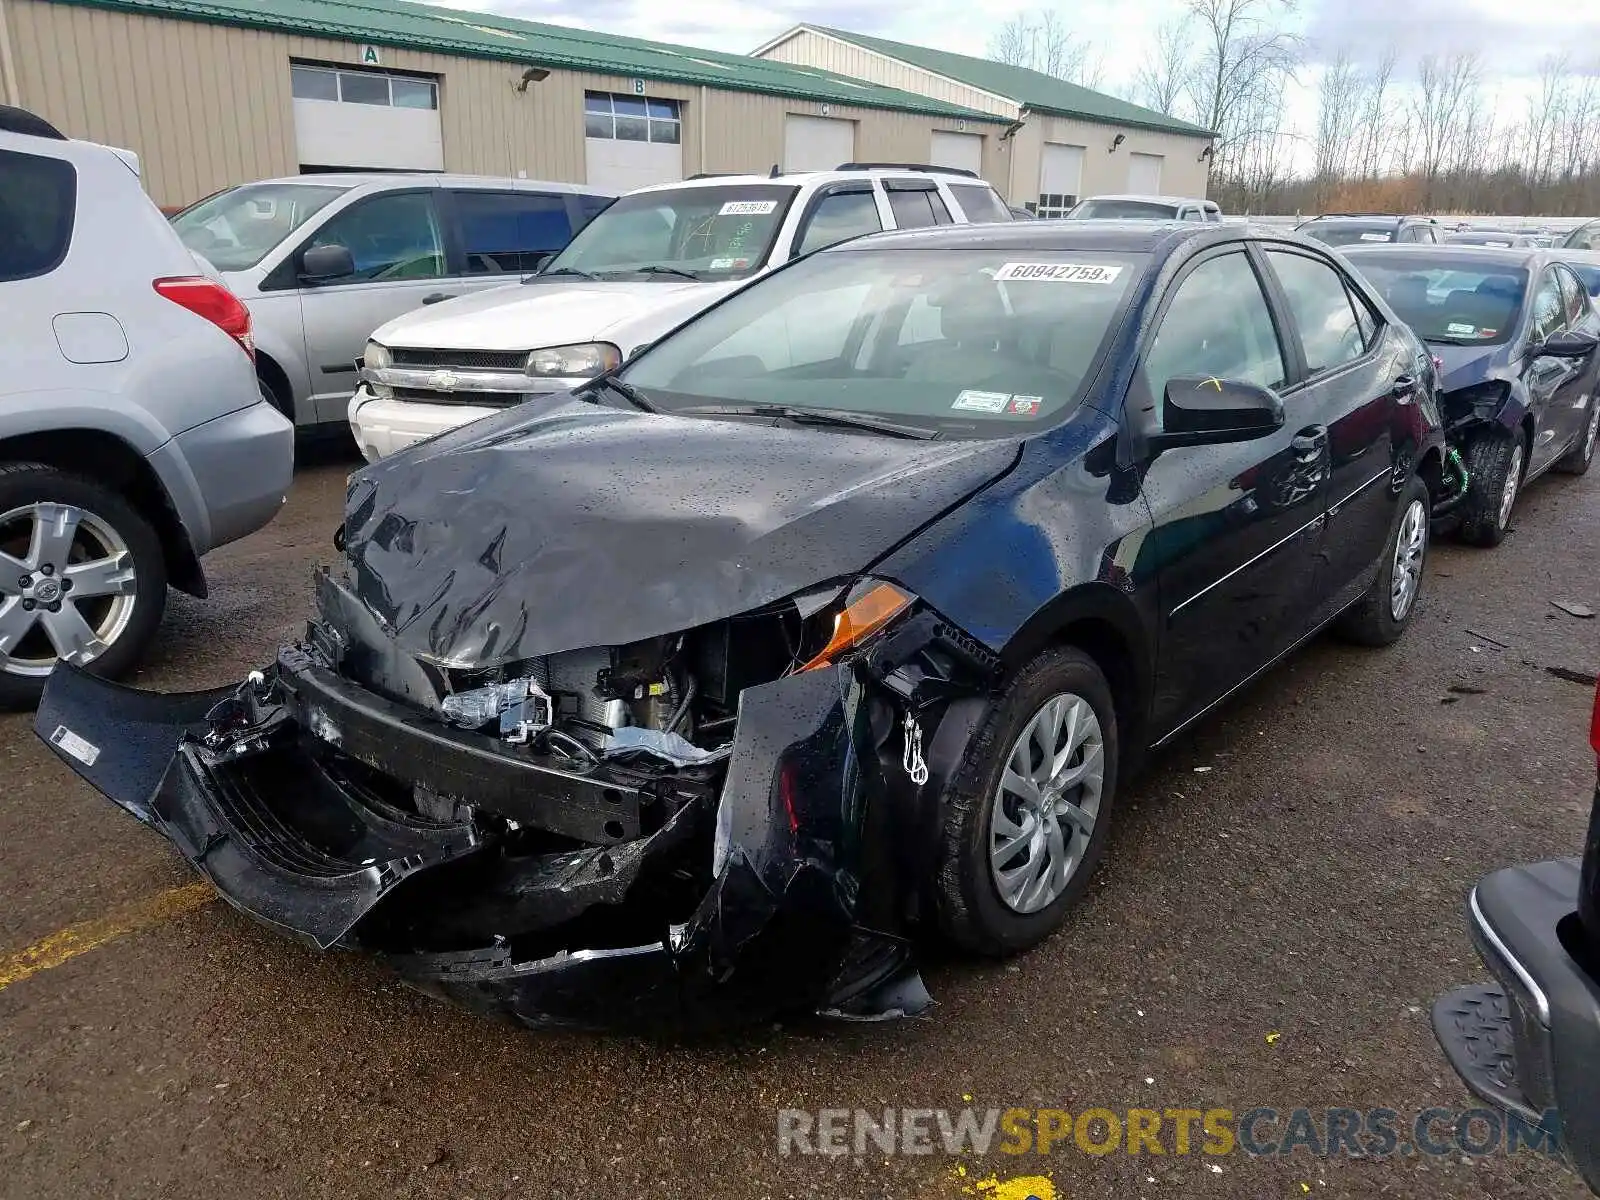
[1375, 237]
[989, 402]
[747, 208]
[1455, 329]
[1059, 272]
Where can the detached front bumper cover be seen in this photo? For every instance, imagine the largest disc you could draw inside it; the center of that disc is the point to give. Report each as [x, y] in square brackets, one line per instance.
[281, 792]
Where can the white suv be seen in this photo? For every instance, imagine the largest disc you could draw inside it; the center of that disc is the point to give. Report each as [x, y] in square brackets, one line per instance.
[133, 438]
[649, 262]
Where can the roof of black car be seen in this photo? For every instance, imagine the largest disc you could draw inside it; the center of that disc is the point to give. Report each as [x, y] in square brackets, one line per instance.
[1126, 236]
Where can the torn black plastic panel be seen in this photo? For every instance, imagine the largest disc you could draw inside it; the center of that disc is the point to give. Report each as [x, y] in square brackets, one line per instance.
[553, 528]
[567, 892]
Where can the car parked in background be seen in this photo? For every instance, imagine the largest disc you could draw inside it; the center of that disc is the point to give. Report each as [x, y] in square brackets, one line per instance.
[1500, 239]
[1529, 1043]
[652, 260]
[323, 260]
[1516, 332]
[1145, 208]
[1355, 229]
[133, 438]
[1584, 237]
[840, 614]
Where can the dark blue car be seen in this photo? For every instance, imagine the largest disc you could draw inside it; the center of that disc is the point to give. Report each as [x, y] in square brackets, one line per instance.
[1515, 330]
[842, 612]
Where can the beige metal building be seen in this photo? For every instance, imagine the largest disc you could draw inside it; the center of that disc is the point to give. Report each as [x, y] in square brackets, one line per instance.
[211, 93]
[1067, 142]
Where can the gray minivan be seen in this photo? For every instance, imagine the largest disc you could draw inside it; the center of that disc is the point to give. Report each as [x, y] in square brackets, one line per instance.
[323, 260]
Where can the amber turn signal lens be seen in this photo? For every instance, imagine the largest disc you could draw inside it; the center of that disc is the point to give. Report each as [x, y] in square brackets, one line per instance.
[861, 618]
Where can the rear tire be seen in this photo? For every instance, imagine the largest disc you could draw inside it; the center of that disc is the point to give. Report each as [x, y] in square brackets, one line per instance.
[1382, 615]
[983, 811]
[113, 567]
[1495, 460]
[1576, 461]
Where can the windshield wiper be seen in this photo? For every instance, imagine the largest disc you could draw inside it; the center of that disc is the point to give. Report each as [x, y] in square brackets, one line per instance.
[565, 271]
[626, 390]
[656, 269]
[816, 416]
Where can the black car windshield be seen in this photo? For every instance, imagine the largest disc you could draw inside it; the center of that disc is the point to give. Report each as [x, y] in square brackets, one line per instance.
[1348, 233]
[1488, 237]
[974, 342]
[1459, 303]
[1136, 210]
[237, 228]
[712, 232]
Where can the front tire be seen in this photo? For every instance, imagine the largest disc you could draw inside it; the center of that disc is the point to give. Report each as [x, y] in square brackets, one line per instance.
[1028, 811]
[1495, 461]
[83, 578]
[1577, 460]
[1384, 612]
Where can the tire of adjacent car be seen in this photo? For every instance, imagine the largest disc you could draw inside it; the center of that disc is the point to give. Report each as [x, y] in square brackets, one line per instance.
[970, 912]
[33, 483]
[1576, 461]
[1371, 620]
[1488, 457]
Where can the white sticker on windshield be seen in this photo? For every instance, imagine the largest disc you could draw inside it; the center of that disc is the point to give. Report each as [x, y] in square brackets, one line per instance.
[989, 402]
[747, 208]
[1377, 237]
[729, 264]
[1456, 328]
[1059, 272]
[81, 749]
[1501, 245]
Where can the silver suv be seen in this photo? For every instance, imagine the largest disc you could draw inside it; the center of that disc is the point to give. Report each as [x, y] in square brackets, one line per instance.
[133, 438]
[323, 260]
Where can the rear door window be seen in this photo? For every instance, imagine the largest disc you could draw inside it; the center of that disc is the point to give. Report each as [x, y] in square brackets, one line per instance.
[510, 231]
[979, 203]
[38, 197]
[839, 216]
[916, 208]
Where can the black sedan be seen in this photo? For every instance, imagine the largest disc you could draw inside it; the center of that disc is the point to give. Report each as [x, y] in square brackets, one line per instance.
[1516, 333]
[1529, 1043]
[843, 610]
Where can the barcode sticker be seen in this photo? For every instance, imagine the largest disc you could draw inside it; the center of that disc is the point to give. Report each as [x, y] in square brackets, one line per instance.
[1058, 272]
[81, 749]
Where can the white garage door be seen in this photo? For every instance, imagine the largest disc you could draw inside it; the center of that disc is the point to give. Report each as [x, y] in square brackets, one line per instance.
[964, 151]
[817, 143]
[1060, 177]
[1144, 174]
[631, 141]
[366, 119]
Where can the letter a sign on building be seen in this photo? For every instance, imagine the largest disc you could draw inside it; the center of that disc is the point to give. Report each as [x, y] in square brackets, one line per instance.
[369, 57]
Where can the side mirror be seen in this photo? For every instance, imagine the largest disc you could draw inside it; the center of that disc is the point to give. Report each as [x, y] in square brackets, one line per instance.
[1567, 343]
[332, 261]
[638, 350]
[1204, 411]
[540, 263]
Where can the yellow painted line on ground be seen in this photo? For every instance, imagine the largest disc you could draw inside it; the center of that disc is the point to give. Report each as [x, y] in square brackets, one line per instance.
[66, 944]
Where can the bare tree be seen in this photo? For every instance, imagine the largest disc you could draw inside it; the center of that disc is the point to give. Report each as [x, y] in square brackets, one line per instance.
[1042, 42]
[1446, 91]
[1159, 81]
[1377, 128]
[1339, 112]
[1242, 61]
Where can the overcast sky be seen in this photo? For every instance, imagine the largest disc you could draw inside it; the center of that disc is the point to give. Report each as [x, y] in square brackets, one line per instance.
[1511, 37]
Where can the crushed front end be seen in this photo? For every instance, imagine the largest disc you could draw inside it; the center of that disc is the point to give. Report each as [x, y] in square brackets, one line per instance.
[697, 829]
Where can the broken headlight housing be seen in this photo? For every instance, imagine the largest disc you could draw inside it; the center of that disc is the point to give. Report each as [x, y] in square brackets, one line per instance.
[375, 358]
[871, 605]
[582, 361]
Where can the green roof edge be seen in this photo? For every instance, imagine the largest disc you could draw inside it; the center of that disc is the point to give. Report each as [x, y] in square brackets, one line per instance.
[880, 96]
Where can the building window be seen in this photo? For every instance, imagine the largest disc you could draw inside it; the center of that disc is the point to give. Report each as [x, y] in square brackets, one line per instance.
[1054, 204]
[631, 118]
[362, 87]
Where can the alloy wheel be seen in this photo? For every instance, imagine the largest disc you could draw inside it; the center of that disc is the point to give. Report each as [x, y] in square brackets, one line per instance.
[1508, 494]
[67, 587]
[1410, 547]
[1594, 428]
[1044, 811]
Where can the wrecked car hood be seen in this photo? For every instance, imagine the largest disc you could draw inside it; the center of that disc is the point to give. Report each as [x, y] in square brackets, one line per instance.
[555, 312]
[1464, 366]
[561, 525]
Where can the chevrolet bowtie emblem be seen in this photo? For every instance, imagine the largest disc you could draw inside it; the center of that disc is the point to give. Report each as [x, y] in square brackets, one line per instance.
[443, 381]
